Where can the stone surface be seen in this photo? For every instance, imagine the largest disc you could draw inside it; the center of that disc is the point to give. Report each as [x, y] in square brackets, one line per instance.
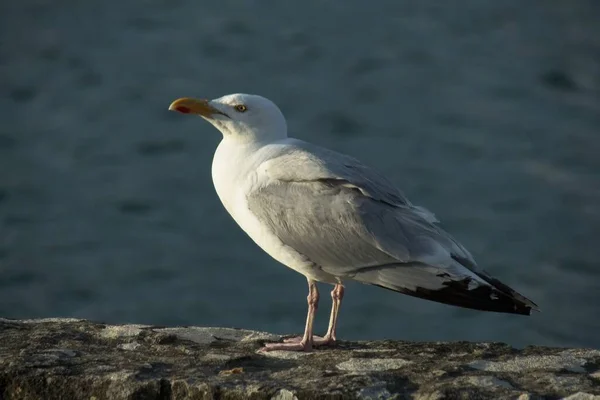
[78, 359]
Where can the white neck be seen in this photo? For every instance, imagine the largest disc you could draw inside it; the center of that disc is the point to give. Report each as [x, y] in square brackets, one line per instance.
[233, 158]
[241, 132]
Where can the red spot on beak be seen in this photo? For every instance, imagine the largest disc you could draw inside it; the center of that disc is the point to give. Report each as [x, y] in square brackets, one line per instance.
[183, 109]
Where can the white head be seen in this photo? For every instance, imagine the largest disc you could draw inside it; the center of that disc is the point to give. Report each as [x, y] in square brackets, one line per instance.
[243, 117]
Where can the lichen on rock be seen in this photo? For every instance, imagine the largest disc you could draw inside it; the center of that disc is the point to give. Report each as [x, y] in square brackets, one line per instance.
[78, 359]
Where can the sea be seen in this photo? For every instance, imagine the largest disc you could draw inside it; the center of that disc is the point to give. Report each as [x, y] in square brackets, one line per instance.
[485, 112]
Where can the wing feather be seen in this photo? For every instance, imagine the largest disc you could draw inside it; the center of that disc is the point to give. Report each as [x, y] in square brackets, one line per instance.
[354, 224]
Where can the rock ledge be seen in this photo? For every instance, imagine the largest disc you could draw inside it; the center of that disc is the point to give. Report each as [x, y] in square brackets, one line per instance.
[78, 359]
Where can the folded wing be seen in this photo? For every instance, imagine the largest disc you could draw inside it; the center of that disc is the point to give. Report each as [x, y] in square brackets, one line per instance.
[353, 223]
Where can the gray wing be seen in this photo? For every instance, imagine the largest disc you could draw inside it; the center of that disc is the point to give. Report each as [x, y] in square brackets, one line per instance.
[353, 223]
[300, 161]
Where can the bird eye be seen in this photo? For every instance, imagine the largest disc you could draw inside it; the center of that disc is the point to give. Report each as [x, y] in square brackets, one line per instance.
[241, 108]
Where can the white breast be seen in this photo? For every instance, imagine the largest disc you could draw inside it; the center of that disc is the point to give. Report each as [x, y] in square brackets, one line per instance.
[234, 173]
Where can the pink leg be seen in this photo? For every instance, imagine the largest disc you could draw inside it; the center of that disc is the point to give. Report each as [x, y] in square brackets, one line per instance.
[306, 343]
[337, 294]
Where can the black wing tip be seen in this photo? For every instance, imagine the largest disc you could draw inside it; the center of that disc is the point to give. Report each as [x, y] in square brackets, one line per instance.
[516, 297]
[521, 309]
[534, 307]
[482, 298]
[522, 305]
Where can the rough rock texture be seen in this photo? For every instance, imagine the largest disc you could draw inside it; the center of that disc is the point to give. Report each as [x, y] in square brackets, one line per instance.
[77, 359]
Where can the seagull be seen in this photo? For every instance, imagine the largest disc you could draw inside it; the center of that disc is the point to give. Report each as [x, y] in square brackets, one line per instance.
[333, 219]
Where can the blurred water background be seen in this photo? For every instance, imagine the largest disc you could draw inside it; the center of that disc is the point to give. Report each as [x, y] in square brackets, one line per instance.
[487, 112]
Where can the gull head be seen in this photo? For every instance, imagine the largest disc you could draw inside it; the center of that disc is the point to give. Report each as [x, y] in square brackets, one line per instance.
[244, 117]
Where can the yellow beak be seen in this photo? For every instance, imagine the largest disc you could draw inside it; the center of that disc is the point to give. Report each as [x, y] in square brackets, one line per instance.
[187, 105]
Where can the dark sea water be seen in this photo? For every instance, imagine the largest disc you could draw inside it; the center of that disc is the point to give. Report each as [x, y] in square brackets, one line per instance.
[486, 112]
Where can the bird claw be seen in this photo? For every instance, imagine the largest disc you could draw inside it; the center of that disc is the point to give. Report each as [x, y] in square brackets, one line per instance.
[317, 340]
[298, 339]
[297, 346]
[324, 341]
